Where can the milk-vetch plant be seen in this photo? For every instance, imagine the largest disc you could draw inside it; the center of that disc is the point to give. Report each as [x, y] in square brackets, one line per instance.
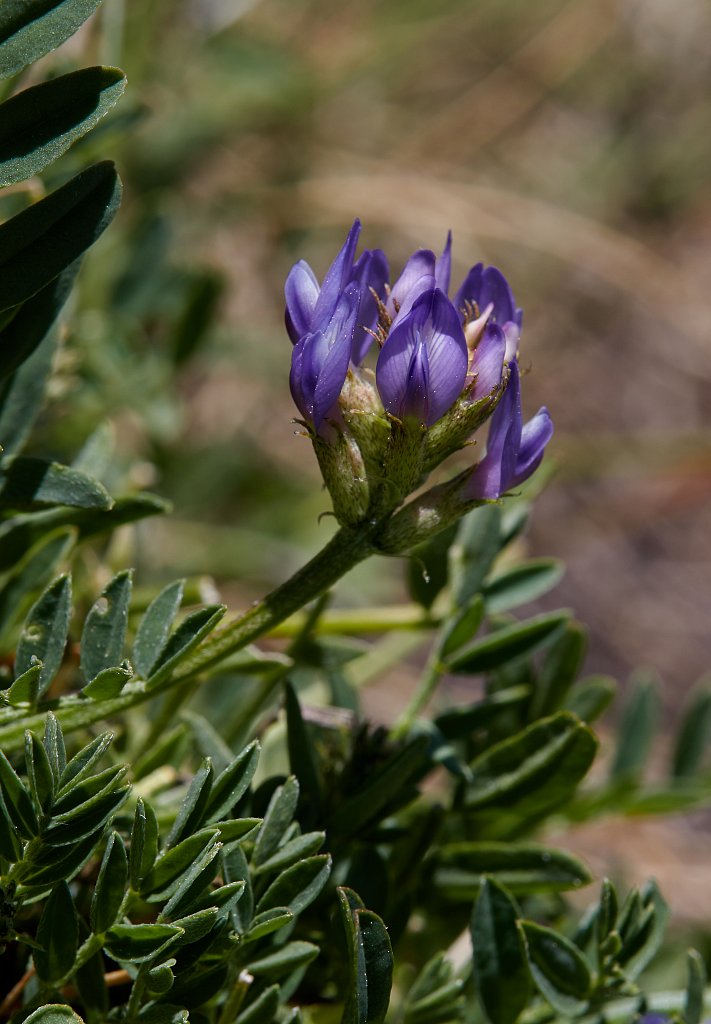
[240, 844]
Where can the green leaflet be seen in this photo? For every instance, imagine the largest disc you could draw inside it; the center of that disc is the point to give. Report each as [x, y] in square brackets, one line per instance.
[44, 633]
[508, 644]
[32, 573]
[284, 960]
[54, 1013]
[192, 808]
[535, 769]
[298, 885]
[191, 631]
[28, 483]
[154, 627]
[40, 242]
[277, 819]
[57, 934]
[636, 731]
[301, 753]
[105, 628]
[28, 347]
[370, 962]
[40, 123]
[136, 943]
[110, 885]
[144, 843]
[521, 583]
[31, 28]
[501, 975]
[461, 868]
[560, 971]
[694, 1004]
[231, 784]
[108, 683]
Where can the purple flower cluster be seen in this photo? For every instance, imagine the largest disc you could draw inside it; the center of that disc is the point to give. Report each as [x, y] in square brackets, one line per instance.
[434, 352]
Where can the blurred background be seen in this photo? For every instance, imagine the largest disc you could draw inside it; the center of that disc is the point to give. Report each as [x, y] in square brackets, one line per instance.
[566, 141]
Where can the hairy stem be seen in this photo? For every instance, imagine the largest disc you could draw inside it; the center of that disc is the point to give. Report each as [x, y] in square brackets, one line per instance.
[345, 550]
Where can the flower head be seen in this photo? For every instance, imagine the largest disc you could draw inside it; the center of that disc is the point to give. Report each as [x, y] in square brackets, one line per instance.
[444, 367]
[514, 449]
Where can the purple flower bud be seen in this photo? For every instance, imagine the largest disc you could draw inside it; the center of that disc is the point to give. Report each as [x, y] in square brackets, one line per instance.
[513, 450]
[370, 272]
[488, 289]
[310, 307]
[418, 276]
[487, 362]
[319, 361]
[422, 366]
[443, 267]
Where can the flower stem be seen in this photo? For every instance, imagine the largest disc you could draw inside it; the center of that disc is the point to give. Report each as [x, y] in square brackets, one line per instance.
[346, 549]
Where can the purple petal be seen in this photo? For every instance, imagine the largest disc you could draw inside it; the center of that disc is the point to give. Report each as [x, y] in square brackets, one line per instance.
[335, 362]
[301, 291]
[470, 288]
[370, 271]
[488, 361]
[443, 267]
[412, 282]
[512, 331]
[490, 477]
[495, 288]
[534, 437]
[447, 352]
[415, 400]
[302, 400]
[434, 322]
[337, 276]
